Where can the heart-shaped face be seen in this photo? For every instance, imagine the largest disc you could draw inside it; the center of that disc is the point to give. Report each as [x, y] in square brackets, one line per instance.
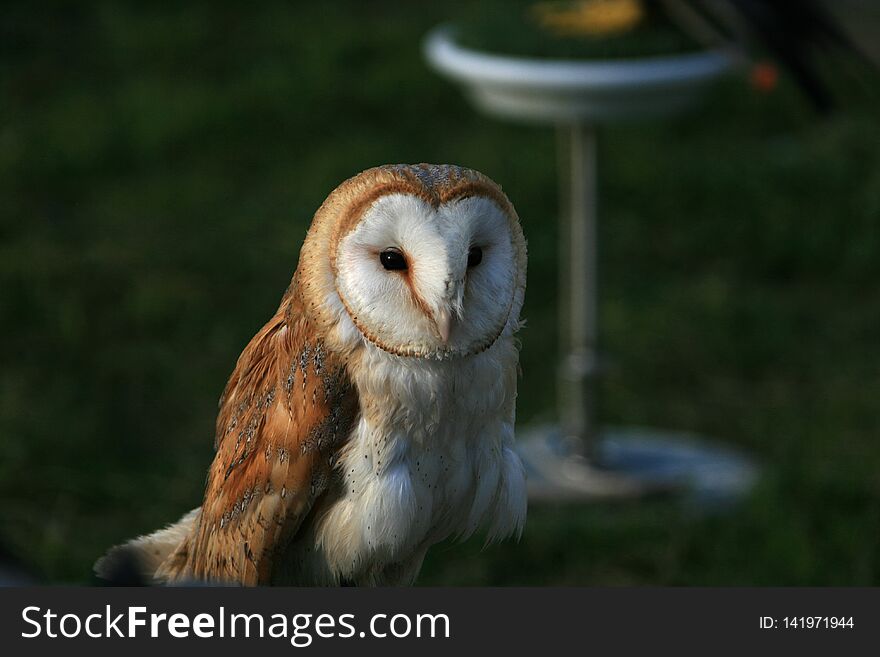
[430, 279]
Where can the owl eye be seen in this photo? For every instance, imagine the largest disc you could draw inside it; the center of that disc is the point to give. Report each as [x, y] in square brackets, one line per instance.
[392, 260]
[475, 256]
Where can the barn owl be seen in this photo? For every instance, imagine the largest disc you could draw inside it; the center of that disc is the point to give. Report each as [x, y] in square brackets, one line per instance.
[373, 415]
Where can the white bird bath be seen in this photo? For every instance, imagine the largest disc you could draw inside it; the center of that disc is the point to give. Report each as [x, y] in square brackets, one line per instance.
[576, 460]
[575, 91]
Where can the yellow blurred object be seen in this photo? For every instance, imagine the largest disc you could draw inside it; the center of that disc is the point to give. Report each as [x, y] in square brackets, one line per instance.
[589, 17]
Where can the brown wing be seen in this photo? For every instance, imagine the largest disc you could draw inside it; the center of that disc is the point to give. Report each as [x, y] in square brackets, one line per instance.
[287, 408]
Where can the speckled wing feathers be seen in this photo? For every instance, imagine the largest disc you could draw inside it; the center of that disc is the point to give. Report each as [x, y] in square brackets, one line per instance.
[286, 410]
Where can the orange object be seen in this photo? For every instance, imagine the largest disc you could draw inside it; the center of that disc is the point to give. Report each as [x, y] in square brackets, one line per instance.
[764, 76]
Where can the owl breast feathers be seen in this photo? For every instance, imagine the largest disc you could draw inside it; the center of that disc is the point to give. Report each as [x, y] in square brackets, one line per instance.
[373, 415]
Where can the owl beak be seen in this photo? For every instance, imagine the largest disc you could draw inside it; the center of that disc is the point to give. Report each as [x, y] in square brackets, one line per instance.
[443, 321]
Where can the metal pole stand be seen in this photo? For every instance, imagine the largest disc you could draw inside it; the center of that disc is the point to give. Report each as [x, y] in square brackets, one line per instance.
[575, 460]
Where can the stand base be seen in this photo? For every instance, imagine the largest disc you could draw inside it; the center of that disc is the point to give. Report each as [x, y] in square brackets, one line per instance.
[631, 463]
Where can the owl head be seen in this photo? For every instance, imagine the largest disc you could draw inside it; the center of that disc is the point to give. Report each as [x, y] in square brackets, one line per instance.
[420, 260]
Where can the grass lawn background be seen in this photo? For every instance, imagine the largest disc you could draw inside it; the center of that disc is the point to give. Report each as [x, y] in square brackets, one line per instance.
[158, 170]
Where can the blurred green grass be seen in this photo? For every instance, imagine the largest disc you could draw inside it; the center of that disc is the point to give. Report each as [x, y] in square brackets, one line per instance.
[159, 167]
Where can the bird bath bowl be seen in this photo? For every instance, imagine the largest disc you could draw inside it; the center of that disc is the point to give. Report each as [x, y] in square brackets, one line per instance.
[566, 90]
[577, 460]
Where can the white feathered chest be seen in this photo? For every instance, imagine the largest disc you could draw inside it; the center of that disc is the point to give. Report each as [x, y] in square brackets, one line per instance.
[430, 456]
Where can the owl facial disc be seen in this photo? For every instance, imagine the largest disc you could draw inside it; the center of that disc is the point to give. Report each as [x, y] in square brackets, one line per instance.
[432, 280]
